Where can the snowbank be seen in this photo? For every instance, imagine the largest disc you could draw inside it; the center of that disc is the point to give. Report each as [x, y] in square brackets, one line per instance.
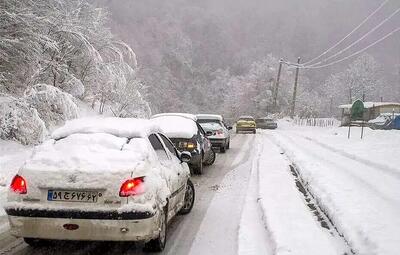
[20, 122]
[292, 227]
[53, 105]
[355, 181]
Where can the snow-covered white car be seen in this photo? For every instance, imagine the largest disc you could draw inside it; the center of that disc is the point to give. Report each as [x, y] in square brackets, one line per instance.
[101, 179]
[187, 135]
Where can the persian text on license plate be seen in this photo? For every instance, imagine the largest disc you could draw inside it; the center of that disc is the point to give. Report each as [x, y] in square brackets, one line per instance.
[73, 196]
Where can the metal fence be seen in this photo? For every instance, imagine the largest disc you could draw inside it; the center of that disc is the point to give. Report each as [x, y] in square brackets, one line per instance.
[317, 122]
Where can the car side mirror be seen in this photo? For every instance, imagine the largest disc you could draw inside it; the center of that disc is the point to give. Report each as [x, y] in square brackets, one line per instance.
[185, 156]
[229, 128]
[209, 133]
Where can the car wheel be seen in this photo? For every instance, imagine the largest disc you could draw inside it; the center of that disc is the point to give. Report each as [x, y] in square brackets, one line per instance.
[222, 149]
[211, 158]
[158, 244]
[228, 146]
[34, 242]
[254, 131]
[198, 169]
[189, 198]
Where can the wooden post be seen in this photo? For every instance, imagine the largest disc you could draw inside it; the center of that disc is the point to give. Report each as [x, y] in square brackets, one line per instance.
[295, 89]
[277, 86]
[348, 133]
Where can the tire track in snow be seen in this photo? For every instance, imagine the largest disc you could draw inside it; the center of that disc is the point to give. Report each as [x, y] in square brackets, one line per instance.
[361, 178]
[378, 167]
[318, 211]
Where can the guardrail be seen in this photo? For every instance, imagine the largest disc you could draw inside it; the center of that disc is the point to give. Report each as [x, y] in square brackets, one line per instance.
[317, 122]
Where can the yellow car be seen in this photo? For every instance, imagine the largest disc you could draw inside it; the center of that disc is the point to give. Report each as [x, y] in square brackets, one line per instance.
[246, 124]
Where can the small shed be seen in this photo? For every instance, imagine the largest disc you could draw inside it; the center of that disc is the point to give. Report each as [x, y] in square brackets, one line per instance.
[396, 122]
[372, 110]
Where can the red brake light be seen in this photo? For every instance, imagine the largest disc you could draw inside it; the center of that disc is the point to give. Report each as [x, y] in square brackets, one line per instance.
[18, 185]
[132, 187]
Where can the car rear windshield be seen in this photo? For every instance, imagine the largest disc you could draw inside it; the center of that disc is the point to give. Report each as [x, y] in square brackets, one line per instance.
[211, 126]
[208, 121]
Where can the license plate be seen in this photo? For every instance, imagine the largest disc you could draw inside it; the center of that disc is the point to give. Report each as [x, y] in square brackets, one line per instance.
[73, 196]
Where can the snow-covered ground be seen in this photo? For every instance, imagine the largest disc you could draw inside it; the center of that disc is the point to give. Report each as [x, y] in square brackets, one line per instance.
[340, 196]
[355, 182]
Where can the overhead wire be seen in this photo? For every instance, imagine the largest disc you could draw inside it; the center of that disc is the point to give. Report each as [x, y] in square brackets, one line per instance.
[352, 55]
[357, 41]
[349, 34]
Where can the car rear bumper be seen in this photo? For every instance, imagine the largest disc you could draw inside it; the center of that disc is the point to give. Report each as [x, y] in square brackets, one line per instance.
[218, 142]
[92, 226]
[245, 129]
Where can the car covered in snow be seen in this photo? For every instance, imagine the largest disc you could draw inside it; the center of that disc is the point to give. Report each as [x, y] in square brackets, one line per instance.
[187, 135]
[216, 130]
[105, 179]
[266, 123]
[246, 124]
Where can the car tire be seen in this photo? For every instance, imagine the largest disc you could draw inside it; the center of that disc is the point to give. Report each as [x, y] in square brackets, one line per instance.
[158, 244]
[198, 169]
[222, 149]
[228, 146]
[211, 158]
[34, 242]
[254, 131]
[189, 198]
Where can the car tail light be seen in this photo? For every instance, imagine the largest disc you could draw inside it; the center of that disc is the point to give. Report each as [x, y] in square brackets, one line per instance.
[18, 185]
[132, 187]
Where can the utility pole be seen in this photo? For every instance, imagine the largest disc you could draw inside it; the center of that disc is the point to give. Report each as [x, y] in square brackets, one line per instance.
[295, 89]
[277, 86]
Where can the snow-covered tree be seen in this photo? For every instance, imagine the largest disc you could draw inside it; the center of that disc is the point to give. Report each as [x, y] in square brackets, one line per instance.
[363, 77]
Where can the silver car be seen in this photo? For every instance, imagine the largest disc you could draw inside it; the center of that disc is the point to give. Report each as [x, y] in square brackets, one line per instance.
[101, 180]
[216, 130]
[266, 123]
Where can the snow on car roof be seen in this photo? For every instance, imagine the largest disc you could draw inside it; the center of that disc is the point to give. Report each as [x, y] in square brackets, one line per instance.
[246, 117]
[121, 127]
[185, 115]
[175, 126]
[89, 152]
[209, 117]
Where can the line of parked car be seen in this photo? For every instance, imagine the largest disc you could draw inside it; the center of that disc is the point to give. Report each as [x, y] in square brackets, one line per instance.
[114, 179]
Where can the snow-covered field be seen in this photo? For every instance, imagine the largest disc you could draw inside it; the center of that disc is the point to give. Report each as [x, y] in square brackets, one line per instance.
[355, 182]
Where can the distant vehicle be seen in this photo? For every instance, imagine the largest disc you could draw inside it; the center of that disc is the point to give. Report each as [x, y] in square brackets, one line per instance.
[266, 123]
[216, 130]
[246, 124]
[187, 135]
[101, 180]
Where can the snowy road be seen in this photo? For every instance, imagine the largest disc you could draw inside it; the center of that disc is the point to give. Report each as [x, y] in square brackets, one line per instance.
[303, 191]
[212, 226]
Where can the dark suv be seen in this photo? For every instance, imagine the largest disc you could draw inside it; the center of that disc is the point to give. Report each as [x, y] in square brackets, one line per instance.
[187, 135]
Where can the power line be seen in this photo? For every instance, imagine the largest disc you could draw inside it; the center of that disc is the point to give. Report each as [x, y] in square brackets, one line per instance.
[354, 54]
[359, 40]
[348, 35]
